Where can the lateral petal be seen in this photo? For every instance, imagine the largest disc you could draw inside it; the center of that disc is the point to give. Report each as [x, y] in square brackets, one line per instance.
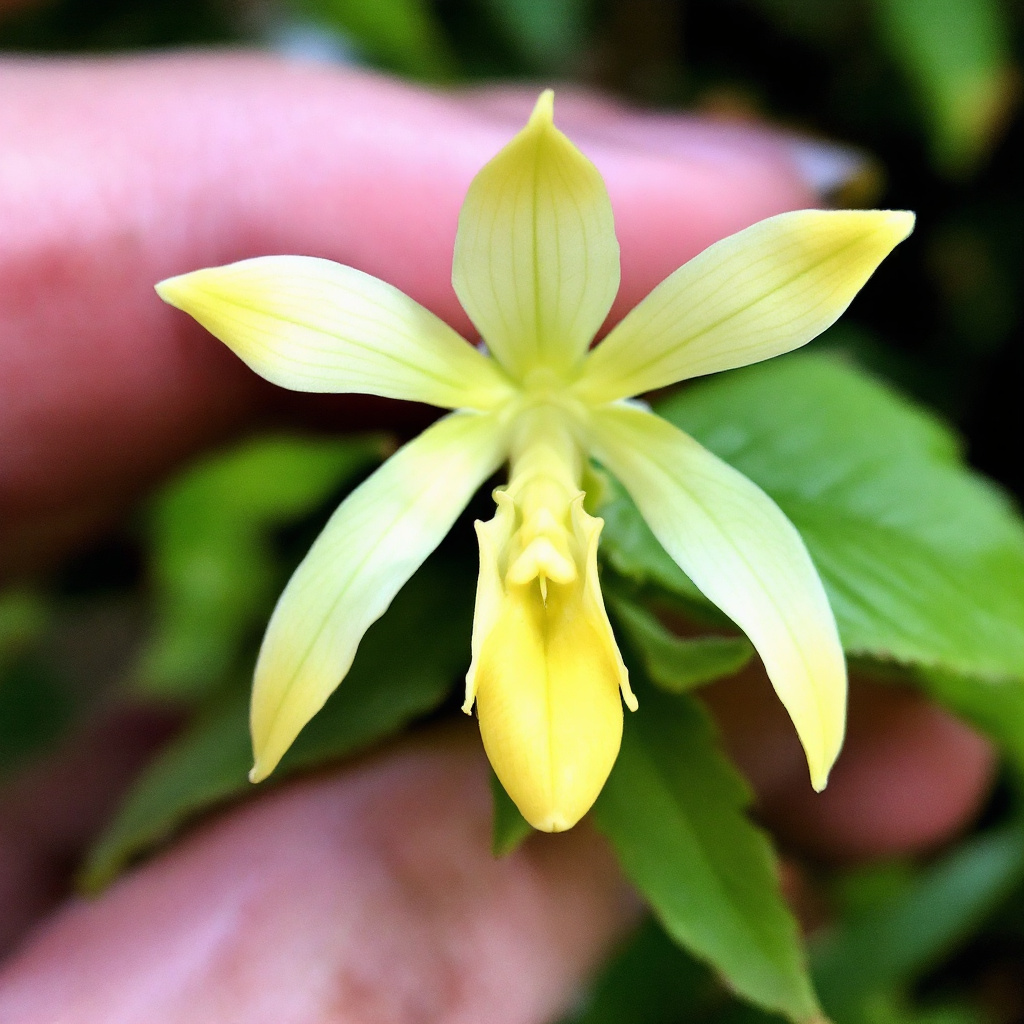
[738, 547]
[536, 260]
[756, 294]
[312, 325]
[373, 543]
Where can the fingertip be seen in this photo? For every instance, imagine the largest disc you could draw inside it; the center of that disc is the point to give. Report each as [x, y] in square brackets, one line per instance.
[910, 776]
[369, 892]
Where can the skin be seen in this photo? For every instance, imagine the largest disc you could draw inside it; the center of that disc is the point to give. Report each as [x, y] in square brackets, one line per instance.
[367, 893]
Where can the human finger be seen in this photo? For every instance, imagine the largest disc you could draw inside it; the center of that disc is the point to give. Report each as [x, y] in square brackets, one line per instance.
[52, 809]
[366, 894]
[119, 172]
[909, 778]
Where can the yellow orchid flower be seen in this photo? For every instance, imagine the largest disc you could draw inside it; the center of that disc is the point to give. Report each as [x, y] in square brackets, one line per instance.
[536, 267]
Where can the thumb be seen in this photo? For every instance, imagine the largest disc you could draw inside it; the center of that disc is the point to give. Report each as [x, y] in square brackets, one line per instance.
[366, 895]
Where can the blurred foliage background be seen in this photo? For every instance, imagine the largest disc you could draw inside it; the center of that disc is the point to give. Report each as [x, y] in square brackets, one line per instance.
[926, 91]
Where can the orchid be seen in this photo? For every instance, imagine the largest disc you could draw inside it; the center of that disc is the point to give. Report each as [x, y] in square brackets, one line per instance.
[536, 267]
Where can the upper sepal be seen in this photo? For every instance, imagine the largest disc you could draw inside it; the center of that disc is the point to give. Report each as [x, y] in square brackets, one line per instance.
[536, 260]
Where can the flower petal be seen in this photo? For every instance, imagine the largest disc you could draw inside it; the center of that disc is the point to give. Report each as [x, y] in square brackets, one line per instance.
[546, 677]
[375, 541]
[536, 260]
[312, 325]
[756, 294]
[738, 547]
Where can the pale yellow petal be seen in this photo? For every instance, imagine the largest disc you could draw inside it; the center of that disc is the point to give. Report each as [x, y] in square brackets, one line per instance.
[493, 538]
[546, 678]
[736, 545]
[312, 325]
[536, 260]
[374, 542]
[588, 529]
[754, 295]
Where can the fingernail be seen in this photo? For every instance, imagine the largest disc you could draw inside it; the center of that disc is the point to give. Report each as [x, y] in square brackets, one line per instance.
[836, 172]
[842, 174]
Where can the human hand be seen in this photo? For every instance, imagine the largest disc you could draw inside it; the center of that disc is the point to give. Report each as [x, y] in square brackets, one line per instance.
[367, 893]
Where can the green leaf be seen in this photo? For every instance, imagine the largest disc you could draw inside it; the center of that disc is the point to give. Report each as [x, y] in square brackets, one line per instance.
[957, 55]
[23, 617]
[509, 827]
[629, 547]
[214, 574]
[204, 766]
[675, 663]
[34, 707]
[673, 809]
[34, 710]
[886, 1008]
[650, 981]
[400, 35]
[550, 35]
[404, 668]
[894, 944]
[923, 560]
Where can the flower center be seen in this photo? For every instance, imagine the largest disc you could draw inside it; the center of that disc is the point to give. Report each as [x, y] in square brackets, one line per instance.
[544, 482]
